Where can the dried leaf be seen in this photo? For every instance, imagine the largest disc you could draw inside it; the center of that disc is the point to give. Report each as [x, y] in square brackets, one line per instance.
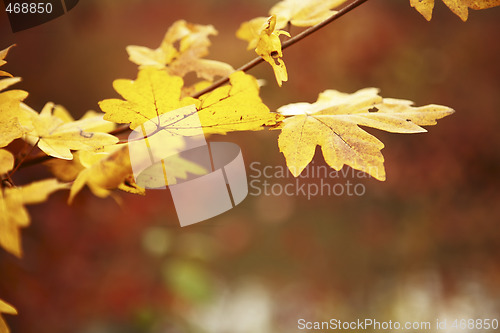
[269, 48]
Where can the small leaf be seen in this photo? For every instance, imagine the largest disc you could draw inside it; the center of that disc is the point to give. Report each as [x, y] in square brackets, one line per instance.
[269, 48]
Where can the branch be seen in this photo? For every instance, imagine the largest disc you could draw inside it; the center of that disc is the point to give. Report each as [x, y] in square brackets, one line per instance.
[249, 65]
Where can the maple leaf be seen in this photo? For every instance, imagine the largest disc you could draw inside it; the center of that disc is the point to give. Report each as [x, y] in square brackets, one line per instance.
[57, 138]
[269, 48]
[332, 122]
[193, 46]
[234, 107]
[459, 7]
[8, 309]
[13, 214]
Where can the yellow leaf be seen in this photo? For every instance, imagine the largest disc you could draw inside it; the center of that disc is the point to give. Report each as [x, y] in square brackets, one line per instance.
[57, 138]
[6, 161]
[269, 48]
[152, 94]
[193, 45]
[13, 214]
[8, 309]
[459, 7]
[3, 54]
[333, 123]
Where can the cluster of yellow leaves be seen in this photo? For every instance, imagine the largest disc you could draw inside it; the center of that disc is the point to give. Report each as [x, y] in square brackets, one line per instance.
[8, 309]
[333, 121]
[459, 7]
[193, 43]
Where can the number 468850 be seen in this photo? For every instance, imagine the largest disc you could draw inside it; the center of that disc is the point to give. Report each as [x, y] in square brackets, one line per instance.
[29, 8]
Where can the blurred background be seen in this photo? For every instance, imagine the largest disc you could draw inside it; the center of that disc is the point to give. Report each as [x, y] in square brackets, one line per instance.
[425, 244]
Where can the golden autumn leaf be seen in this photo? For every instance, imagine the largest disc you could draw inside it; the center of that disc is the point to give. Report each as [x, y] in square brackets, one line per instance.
[8, 309]
[333, 121]
[234, 107]
[193, 44]
[269, 48]
[57, 138]
[459, 7]
[13, 214]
